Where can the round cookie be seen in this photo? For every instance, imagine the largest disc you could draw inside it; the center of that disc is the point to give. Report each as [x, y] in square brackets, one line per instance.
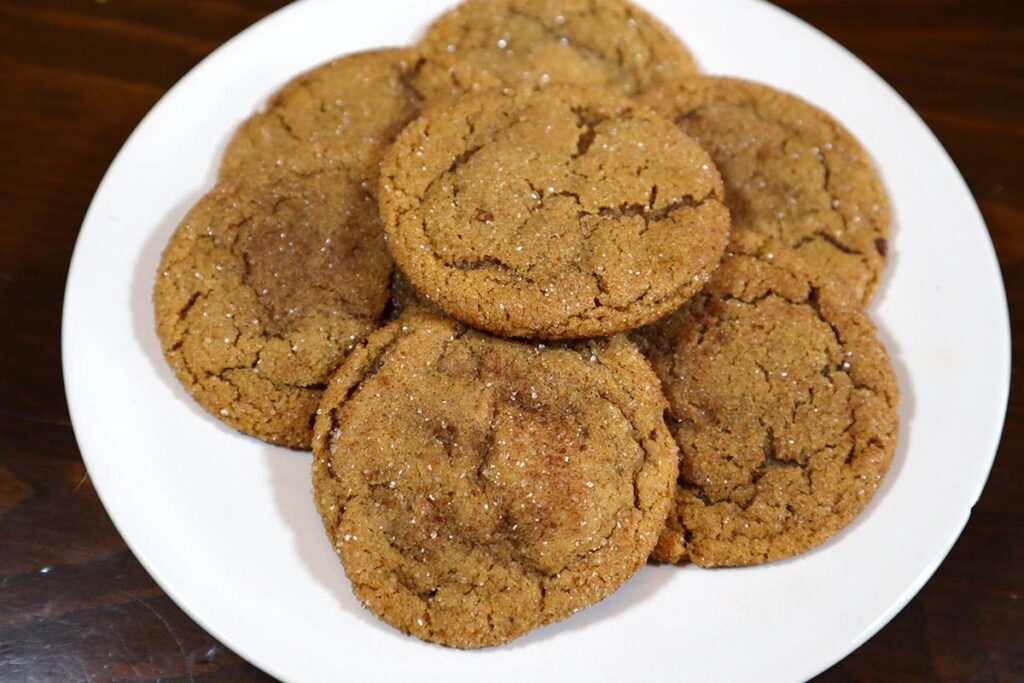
[554, 214]
[262, 290]
[607, 43]
[343, 114]
[476, 487]
[305, 170]
[783, 402]
[791, 172]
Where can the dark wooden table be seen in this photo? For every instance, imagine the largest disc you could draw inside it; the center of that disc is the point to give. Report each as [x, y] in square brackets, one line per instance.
[75, 78]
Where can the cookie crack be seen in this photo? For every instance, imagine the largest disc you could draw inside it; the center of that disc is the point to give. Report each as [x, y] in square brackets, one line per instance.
[183, 312]
[632, 209]
[652, 303]
[645, 444]
[834, 205]
[814, 301]
[407, 78]
[587, 122]
[286, 126]
[820, 234]
[770, 459]
[792, 131]
[459, 160]
[462, 159]
[407, 583]
[488, 445]
[485, 263]
[242, 257]
[754, 300]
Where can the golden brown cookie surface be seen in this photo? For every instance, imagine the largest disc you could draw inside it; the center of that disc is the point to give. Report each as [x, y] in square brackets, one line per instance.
[791, 173]
[783, 403]
[282, 267]
[260, 292]
[564, 213]
[608, 43]
[343, 114]
[477, 487]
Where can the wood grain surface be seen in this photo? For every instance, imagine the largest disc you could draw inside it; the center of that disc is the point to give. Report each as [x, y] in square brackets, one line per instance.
[77, 75]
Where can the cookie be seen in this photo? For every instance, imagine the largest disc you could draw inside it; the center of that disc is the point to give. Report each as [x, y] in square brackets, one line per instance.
[282, 267]
[342, 115]
[261, 291]
[606, 43]
[791, 172]
[783, 402]
[554, 214]
[476, 487]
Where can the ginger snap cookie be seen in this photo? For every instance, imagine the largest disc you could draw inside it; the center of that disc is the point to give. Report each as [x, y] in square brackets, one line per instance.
[607, 43]
[791, 172]
[783, 402]
[561, 213]
[343, 114]
[282, 267]
[262, 290]
[475, 487]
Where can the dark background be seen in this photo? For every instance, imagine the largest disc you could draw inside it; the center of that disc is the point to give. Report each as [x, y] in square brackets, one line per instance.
[77, 75]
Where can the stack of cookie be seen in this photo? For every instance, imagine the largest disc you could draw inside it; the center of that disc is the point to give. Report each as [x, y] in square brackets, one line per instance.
[546, 304]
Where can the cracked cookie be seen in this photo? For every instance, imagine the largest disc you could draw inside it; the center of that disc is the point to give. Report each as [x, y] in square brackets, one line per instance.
[791, 172]
[607, 43]
[783, 403]
[562, 213]
[475, 487]
[343, 114]
[262, 290]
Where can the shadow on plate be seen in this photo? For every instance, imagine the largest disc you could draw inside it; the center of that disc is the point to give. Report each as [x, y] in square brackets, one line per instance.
[143, 278]
[643, 586]
[290, 480]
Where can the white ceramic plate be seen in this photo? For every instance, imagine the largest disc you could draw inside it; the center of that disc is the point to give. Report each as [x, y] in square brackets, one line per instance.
[226, 524]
